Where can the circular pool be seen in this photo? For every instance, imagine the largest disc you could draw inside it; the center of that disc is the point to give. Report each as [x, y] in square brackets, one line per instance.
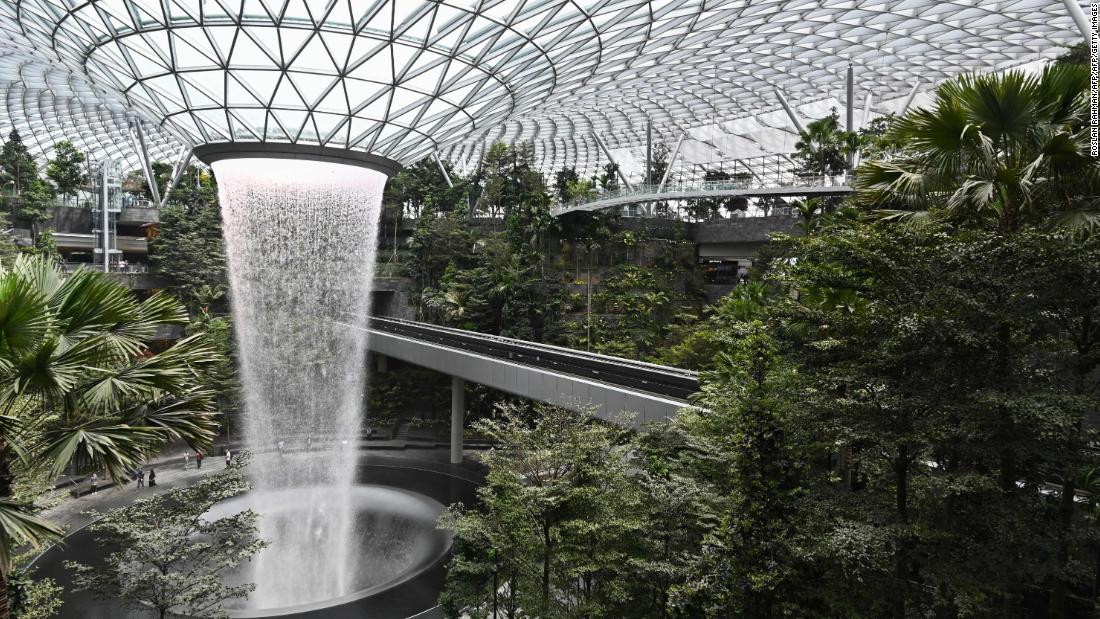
[393, 532]
[399, 569]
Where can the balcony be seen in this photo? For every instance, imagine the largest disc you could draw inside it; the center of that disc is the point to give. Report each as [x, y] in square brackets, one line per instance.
[138, 216]
[72, 241]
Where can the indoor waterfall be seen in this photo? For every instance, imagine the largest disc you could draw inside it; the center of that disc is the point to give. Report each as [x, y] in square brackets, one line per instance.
[301, 237]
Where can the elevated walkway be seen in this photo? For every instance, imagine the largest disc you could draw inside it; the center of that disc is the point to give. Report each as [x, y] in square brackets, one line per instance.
[792, 186]
[560, 376]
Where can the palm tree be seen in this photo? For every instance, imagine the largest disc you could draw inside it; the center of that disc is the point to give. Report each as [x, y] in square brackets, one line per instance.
[823, 148]
[1002, 149]
[79, 384]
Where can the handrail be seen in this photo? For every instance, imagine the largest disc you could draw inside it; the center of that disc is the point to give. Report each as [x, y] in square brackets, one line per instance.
[675, 191]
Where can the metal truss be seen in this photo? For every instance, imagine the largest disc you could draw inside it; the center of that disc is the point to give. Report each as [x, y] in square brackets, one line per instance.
[403, 79]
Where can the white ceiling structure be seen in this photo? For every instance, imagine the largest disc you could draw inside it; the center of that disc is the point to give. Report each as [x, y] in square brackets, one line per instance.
[403, 79]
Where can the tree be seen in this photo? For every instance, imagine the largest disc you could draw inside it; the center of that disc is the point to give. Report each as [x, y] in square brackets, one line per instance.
[742, 457]
[66, 169]
[1005, 149]
[17, 167]
[558, 522]
[35, 205]
[563, 179]
[168, 556]
[920, 348]
[220, 377]
[79, 385]
[421, 188]
[823, 148]
[189, 249]
[46, 246]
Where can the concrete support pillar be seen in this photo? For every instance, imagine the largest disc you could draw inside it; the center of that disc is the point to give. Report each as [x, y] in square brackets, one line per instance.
[104, 211]
[850, 111]
[383, 363]
[1084, 23]
[458, 413]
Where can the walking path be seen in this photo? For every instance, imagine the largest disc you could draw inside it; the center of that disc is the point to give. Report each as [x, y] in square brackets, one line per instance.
[71, 512]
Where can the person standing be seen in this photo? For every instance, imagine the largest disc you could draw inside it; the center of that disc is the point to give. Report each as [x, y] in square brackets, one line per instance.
[281, 444]
[198, 459]
[95, 483]
[228, 458]
[185, 459]
[140, 477]
[152, 478]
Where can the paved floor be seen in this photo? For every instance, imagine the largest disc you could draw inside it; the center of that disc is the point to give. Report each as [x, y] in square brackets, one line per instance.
[71, 512]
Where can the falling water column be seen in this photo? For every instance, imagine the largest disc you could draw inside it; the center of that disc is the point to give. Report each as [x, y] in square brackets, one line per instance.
[301, 237]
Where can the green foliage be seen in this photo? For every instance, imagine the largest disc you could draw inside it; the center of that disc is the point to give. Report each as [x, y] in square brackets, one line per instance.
[739, 452]
[636, 307]
[17, 168]
[9, 251]
[35, 204]
[162, 173]
[78, 385]
[563, 181]
[823, 149]
[1003, 150]
[189, 250]
[929, 360]
[702, 343]
[508, 176]
[711, 208]
[31, 598]
[46, 246]
[1077, 54]
[558, 516]
[66, 169]
[421, 188]
[221, 376]
[167, 556]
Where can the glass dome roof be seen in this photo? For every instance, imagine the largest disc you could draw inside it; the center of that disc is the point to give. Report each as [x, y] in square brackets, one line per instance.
[402, 79]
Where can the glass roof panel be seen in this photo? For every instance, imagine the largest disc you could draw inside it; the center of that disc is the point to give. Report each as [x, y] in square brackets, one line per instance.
[549, 71]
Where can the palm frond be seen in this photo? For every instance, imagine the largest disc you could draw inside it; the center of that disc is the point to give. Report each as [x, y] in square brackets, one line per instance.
[173, 371]
[23, 319]
[191, 417]
[43, 275]
[1079, 222]
[117, 446]
[89, 302]
[916, 219]
[163, 309]
[19, 525]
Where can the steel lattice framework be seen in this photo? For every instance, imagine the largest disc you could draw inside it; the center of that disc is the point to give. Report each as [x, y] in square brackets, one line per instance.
[403, 79]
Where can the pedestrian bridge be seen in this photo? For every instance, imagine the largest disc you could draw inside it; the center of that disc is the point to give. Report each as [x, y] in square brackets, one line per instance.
[551, 374]
[790, 186]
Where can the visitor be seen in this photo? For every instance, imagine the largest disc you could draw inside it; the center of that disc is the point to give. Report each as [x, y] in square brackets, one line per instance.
[228, 458]
[309, 443]
[152, 478]
[95, 483]
[198, 459]
[140, 478]
[280, 447]
[185, 459]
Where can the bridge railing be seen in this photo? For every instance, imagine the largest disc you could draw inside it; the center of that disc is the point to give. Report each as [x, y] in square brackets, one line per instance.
[676, 191]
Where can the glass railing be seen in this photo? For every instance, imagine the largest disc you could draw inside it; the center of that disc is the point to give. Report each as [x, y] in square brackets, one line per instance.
[675, 191]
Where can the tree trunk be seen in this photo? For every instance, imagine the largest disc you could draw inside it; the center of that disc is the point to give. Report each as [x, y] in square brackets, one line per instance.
[901, 559]
[5, 602]
[546, 558]
[1060, 589]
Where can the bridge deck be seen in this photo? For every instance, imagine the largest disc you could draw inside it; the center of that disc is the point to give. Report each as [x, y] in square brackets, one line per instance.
[560, 376]
[800, 186]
